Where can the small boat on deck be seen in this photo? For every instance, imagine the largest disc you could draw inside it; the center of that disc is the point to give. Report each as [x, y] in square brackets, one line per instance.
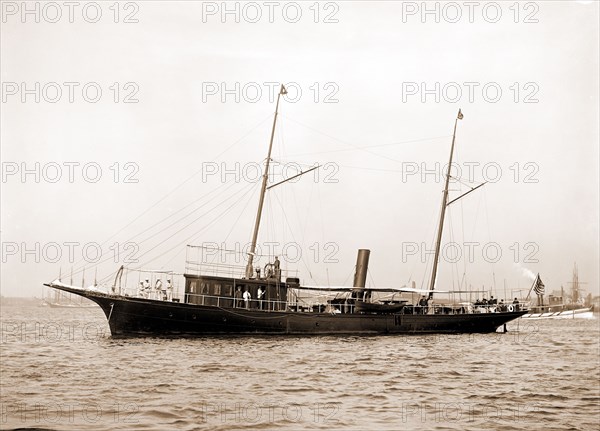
[251, 303]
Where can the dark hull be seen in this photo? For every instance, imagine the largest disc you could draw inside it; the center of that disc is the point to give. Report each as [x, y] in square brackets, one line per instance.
[139, 317]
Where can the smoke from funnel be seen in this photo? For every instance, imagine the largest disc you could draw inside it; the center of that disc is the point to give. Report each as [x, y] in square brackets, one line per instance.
[528, 273]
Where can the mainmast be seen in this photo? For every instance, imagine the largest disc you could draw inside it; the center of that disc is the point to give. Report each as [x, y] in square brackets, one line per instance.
[249, 267]
[443, 212]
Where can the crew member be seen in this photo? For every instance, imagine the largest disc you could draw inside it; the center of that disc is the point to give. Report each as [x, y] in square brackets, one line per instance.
[423, 305]
[169, 290]
[158, 289]
[247, 297]
[277, 265]
[259, 296]
[146, 288]
[237, 297]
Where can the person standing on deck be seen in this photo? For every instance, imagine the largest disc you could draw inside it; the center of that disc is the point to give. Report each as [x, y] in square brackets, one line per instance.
[277, 266]
[158, 290]
[259, 296]
[430, 309]
[140, 291]
[247, 297]
[502, 306]
[169, 290]
[237, 297]
[423, 305]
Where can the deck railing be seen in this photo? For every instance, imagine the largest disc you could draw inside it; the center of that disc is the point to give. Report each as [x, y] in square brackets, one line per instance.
[228, 301]
[462, 308]
[302, 305]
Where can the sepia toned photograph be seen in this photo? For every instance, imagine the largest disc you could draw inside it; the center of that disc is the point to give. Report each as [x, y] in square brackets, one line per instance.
[300, 215]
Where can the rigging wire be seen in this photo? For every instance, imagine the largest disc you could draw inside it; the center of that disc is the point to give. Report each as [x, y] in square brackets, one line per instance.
[294, 239]
[189, 224]
[349, 275]
[201, 230]
[365, 149]
[245, 190]
[492, 263]
[454, 265]
[463, 282]
[180, 210]
[250, 196]
[124, 244]
[369, 273]
[178, 186]
[356, 147]
[429, 260]
[270, 222]
[176, 221]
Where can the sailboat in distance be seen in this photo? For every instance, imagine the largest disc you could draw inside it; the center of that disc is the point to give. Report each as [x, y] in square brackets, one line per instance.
[63, 300]
[271, 303]
[561, 307]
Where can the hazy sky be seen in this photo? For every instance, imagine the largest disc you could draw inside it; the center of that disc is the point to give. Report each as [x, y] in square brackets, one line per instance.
[105, 123]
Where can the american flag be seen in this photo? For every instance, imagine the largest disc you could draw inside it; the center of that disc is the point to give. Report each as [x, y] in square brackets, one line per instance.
[539, 286]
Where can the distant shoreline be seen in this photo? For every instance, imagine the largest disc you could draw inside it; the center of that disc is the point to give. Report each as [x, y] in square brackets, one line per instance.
[10, 301]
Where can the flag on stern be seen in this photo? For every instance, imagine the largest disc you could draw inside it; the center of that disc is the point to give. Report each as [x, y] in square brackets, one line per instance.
[539, 286]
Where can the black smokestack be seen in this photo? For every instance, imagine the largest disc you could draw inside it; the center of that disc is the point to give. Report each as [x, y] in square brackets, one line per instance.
[362, 265]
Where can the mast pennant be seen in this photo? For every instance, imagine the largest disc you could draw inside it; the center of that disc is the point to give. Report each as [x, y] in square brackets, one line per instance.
[283, 90]
[460, 115]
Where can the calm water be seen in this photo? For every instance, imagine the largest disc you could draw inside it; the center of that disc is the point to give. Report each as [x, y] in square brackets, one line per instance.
[61, 370]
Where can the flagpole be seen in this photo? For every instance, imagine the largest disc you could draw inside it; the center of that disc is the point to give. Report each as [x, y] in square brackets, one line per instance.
[531, 288]
[249, 266]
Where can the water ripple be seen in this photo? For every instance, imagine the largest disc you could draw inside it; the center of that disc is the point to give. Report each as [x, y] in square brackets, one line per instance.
[544, 376]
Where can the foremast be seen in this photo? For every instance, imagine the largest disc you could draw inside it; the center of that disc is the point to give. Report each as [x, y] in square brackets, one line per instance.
[249, 266]
[443, 211]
